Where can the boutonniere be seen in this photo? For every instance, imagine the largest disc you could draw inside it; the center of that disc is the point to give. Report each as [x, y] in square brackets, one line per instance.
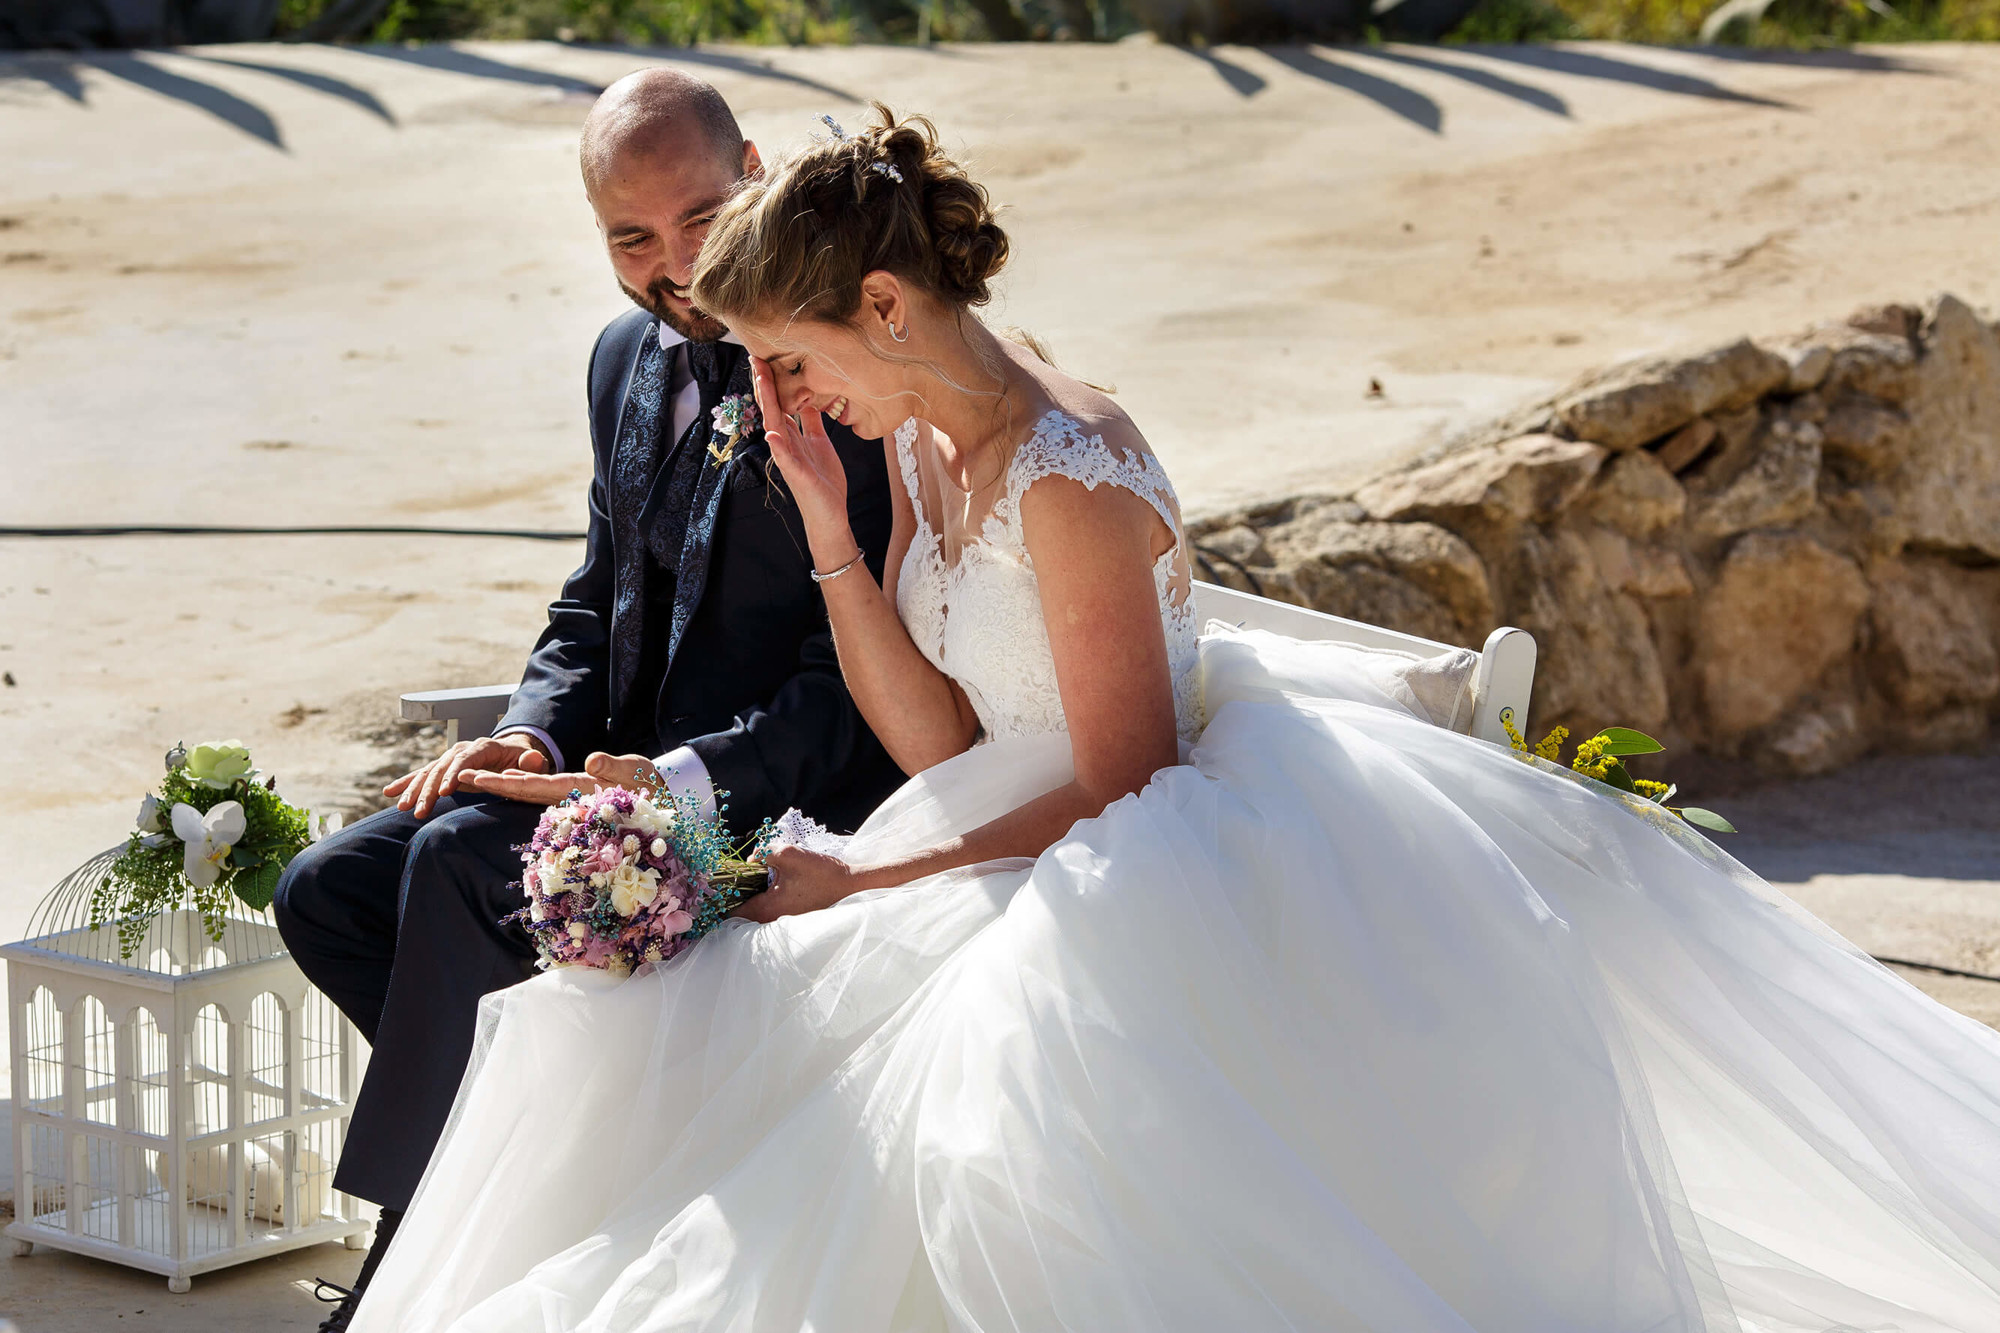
[734, 417]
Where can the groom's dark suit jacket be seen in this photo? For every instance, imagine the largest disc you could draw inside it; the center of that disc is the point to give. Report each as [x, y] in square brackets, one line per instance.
[748, 678]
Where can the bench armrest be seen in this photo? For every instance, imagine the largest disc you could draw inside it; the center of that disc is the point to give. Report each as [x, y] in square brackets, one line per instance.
[475, 709]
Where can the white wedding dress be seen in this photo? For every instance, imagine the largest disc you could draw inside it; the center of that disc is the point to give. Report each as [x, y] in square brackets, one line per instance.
[1348, 1023]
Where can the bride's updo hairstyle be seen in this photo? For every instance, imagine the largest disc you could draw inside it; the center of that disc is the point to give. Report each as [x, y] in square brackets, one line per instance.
[796, 242]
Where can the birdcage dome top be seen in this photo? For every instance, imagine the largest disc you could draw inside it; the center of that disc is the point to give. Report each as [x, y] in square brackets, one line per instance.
[177, 942]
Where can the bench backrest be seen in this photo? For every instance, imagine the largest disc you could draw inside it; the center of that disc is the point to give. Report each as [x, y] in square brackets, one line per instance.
[1500, 684]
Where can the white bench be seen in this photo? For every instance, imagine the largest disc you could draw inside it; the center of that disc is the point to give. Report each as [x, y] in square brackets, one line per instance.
[1500, 684]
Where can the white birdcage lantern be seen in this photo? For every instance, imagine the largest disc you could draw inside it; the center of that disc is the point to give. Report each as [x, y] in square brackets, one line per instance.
[179, 1108]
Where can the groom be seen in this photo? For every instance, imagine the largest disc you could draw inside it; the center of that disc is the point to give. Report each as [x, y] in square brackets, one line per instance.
[692, 632]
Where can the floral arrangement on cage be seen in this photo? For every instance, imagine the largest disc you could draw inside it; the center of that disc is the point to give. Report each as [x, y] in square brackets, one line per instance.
[1602, 757]
[618, 878]
[212, 832]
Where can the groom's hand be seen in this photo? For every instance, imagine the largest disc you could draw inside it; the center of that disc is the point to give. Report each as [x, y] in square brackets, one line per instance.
[530, 786]
[538, 788]
[419, 791]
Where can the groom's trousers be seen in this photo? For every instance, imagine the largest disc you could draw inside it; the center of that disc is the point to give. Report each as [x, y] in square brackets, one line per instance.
[397, 920]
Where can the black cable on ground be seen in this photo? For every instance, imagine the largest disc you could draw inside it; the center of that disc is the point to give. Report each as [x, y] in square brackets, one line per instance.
[330, 530]
[1936, 967]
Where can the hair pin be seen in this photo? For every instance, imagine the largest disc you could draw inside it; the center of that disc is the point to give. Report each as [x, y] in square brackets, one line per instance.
[888, 169]
[834, 125]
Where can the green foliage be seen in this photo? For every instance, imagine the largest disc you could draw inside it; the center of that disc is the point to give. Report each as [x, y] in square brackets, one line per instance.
[665, 22]
[1602, 758]
[1509, 22]
[1625, 741]
[1787, 24]
[149, 876]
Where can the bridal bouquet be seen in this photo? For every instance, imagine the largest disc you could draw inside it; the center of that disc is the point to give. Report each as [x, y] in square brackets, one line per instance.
[618, 878]
[213, 831]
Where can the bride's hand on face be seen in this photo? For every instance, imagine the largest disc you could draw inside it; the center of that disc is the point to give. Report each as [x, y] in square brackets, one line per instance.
[810, 465]
[801, 881]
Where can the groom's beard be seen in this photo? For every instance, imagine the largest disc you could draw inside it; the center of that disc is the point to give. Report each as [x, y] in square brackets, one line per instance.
[690, 324]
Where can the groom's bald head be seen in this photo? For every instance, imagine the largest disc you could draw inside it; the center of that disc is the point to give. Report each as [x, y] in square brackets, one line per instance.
[656, 115]
[660, 153]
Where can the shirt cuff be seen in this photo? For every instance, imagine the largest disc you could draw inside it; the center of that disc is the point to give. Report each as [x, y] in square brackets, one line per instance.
[685, 775]
[548, 742]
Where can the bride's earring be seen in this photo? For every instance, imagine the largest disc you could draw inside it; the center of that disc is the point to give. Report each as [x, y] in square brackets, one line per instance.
[902, 337]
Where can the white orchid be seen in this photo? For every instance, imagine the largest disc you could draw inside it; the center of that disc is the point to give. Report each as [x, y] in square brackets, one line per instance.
[209, 838]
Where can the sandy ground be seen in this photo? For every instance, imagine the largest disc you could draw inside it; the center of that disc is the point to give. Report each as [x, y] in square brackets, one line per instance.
[301, 284]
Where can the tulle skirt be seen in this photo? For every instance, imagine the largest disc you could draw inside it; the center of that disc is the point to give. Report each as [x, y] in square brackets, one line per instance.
[1347, 1023]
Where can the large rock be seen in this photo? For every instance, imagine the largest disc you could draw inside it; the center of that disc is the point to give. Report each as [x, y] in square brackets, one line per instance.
[1643, 570]
[1779, 486]
[1783, 610]
[1866, 438]
[1638, 496]
[1530, 479]
[1946, 494]
[1597, 664]
[1630, 405]
[1816, 740]
[1879, 365]
[1413, 577]
[1932, 644]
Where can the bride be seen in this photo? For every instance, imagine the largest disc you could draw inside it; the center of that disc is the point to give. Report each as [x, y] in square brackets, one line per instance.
[1196, 981]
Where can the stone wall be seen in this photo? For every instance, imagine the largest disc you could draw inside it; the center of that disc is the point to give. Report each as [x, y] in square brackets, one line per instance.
[1785, 552]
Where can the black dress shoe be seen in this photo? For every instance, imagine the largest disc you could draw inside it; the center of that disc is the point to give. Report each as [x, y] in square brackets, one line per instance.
[350, 1298]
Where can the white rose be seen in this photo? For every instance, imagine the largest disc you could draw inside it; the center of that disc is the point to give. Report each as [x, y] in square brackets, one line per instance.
[149, 815]
[578, 931]
[652, 818]
[217, 764]
[632, 888]
[552, 880]
[597, 879]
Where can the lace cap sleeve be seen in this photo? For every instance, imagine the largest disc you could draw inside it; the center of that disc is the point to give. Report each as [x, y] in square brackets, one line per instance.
[1059, 447]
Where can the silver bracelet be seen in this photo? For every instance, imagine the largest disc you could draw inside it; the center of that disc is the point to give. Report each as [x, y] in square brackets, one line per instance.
[859, 555]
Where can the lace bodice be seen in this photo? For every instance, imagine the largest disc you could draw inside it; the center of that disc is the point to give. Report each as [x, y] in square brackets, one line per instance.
[967, 591]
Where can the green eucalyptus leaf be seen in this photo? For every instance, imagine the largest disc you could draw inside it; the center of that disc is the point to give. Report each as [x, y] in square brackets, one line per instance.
[1707, 819]
[1617, 777]
[1624, 740]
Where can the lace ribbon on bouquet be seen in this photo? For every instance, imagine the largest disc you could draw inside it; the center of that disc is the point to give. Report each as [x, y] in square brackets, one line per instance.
[795, 828]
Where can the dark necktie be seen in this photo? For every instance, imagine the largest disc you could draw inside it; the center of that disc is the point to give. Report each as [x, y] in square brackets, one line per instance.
[711, 365]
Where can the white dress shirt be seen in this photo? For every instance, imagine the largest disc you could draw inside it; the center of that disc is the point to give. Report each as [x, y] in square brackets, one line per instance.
[680, 769]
